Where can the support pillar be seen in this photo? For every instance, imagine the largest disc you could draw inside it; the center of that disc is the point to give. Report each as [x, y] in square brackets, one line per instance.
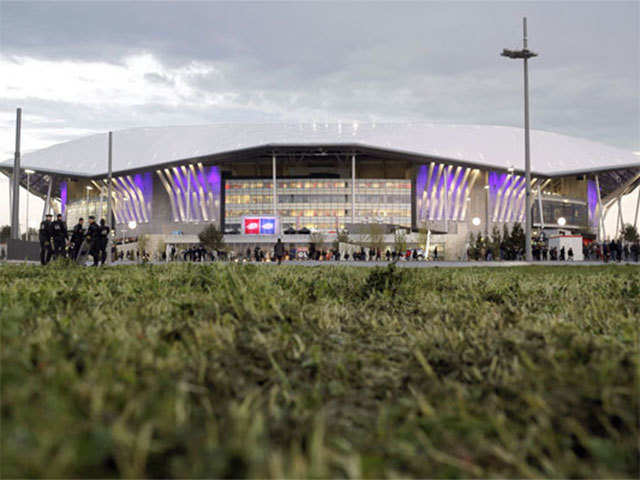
[540, 208]
[620, 219]
[635, 218]
[47, 201]
[601, 232]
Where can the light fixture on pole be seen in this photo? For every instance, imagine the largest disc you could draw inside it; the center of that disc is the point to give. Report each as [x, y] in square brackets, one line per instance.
[28, 171]
[562, 221]
[89, 188]
[525, 54]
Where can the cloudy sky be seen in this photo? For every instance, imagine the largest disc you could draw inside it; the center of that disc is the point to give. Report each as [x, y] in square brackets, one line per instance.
[82, 67]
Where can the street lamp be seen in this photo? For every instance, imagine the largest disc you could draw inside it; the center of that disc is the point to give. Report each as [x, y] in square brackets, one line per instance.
[89, 188]
[28, 171]
[525, 54]
[562, 221]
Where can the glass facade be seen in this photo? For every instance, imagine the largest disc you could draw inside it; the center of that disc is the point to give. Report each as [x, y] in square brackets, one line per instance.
[320, 204]
[84, 208]
[574, 212]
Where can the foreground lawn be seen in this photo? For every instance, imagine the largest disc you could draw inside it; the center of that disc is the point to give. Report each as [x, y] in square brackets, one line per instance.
[235, 371]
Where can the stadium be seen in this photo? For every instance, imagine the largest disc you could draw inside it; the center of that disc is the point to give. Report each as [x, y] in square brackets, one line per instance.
[258, 182]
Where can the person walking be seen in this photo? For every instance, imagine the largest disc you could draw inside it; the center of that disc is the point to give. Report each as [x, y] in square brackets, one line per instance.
[570, 254]
[278, 251]
[45, 235]
[93, 240]
[104, 240]
[60, 236]
[77, 235]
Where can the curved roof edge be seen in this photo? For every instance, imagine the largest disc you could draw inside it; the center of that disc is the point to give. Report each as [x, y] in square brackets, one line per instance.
[486, 146]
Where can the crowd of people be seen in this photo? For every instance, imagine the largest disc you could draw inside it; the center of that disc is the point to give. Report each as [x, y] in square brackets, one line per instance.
[57, 242]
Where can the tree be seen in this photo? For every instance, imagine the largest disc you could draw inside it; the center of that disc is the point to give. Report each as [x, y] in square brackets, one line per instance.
[5, 233]
[375, 236]
[495, 242]
[630, 233]
[342, 237]
[212, 238]
[479, 247]
[516, 239]
[143, 243]
[400, 241]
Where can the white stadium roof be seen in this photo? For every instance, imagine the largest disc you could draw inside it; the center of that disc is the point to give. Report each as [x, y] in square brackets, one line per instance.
[486, 146]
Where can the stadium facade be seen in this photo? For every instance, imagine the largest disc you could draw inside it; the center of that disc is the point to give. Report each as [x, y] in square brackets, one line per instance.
[450, 179]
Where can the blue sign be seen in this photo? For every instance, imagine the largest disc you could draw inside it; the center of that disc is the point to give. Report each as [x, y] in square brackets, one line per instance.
[267, 225]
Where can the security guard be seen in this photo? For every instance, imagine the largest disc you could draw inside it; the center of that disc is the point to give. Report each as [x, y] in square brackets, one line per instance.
[77, 236]
[104, 240]
[93, 238]
[45, 235]
[60, 236]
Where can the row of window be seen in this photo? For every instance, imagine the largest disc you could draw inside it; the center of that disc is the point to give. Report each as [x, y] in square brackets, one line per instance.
[314, 184]
[315, 199]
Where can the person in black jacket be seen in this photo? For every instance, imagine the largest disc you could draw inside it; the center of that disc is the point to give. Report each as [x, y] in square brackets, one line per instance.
[60, 236]
[104, 240]
[93, 238]
[45, 235]
[77, 236]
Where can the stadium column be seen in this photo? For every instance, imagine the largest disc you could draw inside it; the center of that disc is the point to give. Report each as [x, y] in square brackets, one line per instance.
[635, 218]
[47, 201]
[353, 189]
[601, 233]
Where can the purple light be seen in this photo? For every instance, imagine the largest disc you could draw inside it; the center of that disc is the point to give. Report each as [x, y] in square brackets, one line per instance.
[63, 198]
[592, 201]
[144, 181]
[421, 182]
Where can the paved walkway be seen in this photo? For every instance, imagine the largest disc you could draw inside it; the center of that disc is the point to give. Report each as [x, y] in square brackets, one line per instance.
[410, 264]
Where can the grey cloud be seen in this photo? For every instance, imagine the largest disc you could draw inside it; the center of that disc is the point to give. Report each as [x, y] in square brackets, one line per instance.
[384, 61]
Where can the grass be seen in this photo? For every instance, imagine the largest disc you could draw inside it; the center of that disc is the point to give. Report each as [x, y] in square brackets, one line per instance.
[245, 371]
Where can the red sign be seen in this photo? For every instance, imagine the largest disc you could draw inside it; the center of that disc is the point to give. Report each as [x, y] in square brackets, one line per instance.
[251, 226]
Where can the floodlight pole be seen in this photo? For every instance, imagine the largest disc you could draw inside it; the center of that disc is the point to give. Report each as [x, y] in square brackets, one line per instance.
[525, 54]
[15, 202]
[109, 222]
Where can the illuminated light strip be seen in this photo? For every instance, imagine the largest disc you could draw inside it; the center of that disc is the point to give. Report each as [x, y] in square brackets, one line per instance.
[201, 197]
[425, 194]
[508, 194]
[138, 198]
[434, 190]
[517, 200]
[499, 195]
[461, 194]
[209, 195]
[124, 209]
[138, 192]
[133, 205]
[451, 194]
[173, 178]
[117, 205]
[443, 193]
[166, 186]
[476, 174]
[187, 189]
[518, 203]
[522, 201]
[188, 194]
